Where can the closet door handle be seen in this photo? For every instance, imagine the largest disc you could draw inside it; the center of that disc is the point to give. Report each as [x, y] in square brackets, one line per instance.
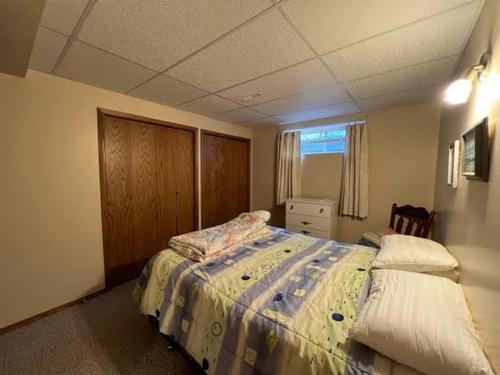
[305, 222]
[305, 232]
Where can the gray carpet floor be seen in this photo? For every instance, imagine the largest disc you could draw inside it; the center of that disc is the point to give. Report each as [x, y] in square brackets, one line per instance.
[105, 335]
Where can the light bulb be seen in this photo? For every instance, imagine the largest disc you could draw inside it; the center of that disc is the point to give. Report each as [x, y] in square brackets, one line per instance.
[458, 92]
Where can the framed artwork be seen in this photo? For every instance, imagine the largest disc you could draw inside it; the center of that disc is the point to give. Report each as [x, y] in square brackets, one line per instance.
[453, 163]
[476, 152]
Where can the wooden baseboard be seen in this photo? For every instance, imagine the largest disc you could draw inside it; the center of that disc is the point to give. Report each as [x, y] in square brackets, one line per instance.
[50, 312]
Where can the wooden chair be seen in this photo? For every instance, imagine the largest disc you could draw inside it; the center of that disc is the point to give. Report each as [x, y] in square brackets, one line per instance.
[414, 221]
[413, 216]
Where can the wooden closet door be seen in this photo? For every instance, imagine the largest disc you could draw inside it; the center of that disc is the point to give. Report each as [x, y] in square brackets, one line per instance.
[225, 177]
[176, 183]
[129, 191]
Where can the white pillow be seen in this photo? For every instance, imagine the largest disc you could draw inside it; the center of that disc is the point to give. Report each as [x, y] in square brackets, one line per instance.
[421, 321]
[409, 253]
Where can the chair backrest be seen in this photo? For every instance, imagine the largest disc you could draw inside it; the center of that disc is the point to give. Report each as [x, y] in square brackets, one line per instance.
[418, 216]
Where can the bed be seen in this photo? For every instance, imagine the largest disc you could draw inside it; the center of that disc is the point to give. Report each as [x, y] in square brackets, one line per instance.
[277, 303]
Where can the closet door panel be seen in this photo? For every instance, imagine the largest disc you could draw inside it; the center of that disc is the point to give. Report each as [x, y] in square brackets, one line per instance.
[167, 185]
[116, 191]
[145, 210]
[225, 178]
[129, 197]
[176, 183]
[186, 182]
[148, 189]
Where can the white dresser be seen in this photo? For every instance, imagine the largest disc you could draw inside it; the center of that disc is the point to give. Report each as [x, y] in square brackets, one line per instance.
[313, 217]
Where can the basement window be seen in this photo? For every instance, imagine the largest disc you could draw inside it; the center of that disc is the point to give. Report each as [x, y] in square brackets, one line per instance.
[323, 140]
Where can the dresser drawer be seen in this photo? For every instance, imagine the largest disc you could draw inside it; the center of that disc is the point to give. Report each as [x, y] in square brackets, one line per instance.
[309, 231]
[307, 222]
[308, 209]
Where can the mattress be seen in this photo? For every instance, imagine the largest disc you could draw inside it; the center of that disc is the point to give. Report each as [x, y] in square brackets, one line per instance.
[279, 304]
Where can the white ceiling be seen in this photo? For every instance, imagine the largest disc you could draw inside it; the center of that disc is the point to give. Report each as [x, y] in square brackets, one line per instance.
[259, 62]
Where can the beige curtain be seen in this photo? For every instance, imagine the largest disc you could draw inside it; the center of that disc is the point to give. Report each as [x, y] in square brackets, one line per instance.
[288, 166]
[354, 190]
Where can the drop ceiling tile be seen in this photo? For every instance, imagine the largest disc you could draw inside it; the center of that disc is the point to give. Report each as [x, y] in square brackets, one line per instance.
[62, 15]
[166, 90]
[330, 24]
[320, 112]
[265, 45]
[261, 122]
[417, 96]
[310, 99]
[157, 34]
[293, 80]
[435, 37]
[46, 50]
[210, 105]
[90, 65]
[428, 74]
[243, 114]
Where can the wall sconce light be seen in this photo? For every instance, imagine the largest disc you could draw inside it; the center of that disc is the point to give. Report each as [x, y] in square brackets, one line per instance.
[458, 92]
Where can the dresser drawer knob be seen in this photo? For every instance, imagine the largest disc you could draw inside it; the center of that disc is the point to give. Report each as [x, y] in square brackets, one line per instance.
[305, 232]
[305, 222]
[291, 207]
[320, 210]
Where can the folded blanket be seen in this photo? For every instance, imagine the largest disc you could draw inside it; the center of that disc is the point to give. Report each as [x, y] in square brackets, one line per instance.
[208, 242]
[189, 253]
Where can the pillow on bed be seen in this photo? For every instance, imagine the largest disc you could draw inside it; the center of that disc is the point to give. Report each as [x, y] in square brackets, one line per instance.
[421, 321]
[409, 253]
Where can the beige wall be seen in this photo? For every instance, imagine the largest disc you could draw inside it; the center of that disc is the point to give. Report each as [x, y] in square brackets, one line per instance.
[50, 215]
[403, 151]
[469, 222]
[321, 174]
[263, 164]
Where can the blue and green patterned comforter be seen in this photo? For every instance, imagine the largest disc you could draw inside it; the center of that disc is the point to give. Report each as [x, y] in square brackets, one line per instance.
[281, 304]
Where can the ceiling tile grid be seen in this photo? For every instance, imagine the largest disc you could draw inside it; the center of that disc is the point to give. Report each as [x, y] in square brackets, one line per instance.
[256, 62]
[267, 44]
[332, 24]
[289, 81]
[209, 105]
[157, 34]
[243, 114]
[62, 15]
[413, 77]
[90, 65]
[260, 122]
[415, 96]
[46, 50]
[166, 90]
[310, 99]
[427, 40]
[320, 112]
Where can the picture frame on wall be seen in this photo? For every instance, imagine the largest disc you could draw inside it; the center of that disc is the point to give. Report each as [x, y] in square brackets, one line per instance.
[476, 152]
[453, 163]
